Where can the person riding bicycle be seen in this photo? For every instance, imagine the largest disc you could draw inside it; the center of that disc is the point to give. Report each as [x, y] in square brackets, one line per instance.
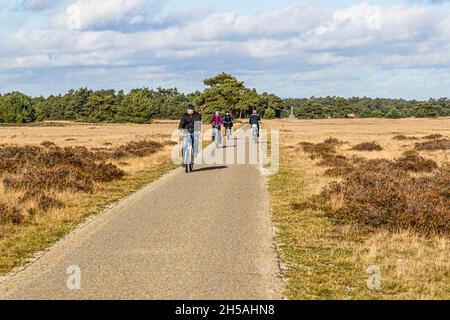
[228, 123]
[255, 119]
[190, 126]
[216, 121]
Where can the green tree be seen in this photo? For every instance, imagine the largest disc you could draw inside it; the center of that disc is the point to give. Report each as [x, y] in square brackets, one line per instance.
[250, 100]
[269, 114]
[394, 113]
[311, 110]
[16, 107]
[427, 110]
[224, 93]
[75, 102]
[136, 107]
[100, 106]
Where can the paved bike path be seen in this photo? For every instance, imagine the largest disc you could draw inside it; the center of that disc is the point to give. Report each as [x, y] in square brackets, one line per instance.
[203, 235]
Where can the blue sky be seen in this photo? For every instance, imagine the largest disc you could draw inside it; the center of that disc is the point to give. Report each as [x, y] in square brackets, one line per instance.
[398, 48]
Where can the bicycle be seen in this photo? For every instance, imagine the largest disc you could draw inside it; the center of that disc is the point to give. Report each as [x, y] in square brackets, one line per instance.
[217, 134]
[188, 154]
[255, 133]
[229, 132]
[228, 129]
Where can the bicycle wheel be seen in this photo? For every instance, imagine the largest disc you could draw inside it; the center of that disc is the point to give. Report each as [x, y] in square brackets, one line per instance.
[188, 157]
[191, 165]
[255, 134]
[216, 134]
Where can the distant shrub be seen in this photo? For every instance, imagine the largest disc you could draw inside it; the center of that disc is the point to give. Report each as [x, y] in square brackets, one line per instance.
[433, 137]
[368, 146]
[401, 137]
[318, 150]
[412, 161]
[433, 145]
[333, 141]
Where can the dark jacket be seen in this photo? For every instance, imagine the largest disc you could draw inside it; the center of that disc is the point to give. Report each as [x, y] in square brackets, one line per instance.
[228, 122]
[192, 123]
[255, 119]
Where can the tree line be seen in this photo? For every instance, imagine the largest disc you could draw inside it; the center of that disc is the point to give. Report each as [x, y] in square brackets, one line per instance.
[356, 107]
[223, 92]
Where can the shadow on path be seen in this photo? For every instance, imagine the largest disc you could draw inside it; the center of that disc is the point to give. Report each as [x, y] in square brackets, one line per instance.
[229, 146]
[210, 168]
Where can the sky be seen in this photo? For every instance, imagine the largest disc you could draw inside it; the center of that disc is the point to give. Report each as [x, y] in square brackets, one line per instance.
[396, 48]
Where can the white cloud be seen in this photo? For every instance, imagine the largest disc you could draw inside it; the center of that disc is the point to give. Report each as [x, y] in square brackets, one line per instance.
[37, 5]
[95, 14]
[298, 42]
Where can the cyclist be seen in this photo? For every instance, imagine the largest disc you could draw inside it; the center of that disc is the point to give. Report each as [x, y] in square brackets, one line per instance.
[228, 124]
[255, 119]
[190, 126]
[216, 121]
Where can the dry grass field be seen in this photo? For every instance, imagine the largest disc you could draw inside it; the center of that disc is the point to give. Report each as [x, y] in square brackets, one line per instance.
[68, 134]
[375, 194]
[53, 176]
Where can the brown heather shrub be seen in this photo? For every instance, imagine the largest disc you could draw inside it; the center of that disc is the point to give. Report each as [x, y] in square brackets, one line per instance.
[339, 165]
[432, 145]
[331, 160]
[433, 137]
[412, 161]
[318, 150]
[381, 193]
[54, 168]
[44, 201]
[368, 146]
[402, 137]
[391, 198]
[48, 144]
[375, 164]
[137, 149]
[40, 171]
[334, 141]
[339, 171]
[170, 143]
[10, 214]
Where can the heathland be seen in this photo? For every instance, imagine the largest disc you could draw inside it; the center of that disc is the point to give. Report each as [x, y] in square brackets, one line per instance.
[354, 196]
